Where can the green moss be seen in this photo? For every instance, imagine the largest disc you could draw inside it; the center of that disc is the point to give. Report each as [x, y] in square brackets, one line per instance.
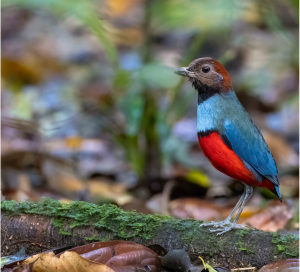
[191, 232]
[280, 247]
[126, 225]
[283, 243]
[189, 228]
[242, 241]
[242, 247]
[242, 232]
[120, 224]
[123, 225]
[105, 239]
[95, 237]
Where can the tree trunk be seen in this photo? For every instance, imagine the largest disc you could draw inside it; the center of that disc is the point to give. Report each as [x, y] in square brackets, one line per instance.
[48, 224]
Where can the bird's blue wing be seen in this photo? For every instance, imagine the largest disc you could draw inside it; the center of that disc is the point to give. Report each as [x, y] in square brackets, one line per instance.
[248, 143]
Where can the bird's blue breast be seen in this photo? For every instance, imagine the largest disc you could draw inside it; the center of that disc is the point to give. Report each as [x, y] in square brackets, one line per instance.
[209, 115]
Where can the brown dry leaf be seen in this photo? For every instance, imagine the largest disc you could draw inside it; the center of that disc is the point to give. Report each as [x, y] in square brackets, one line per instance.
[19, 196]
[31, 68]
[68, 261]
[195, 208]
[127, 36]
[288, 265]
[120, 255]
[21, 189]
[17, 71]
[42, 58]
[138, 205]
[62, 179]
[18, 158]
[247, 212]
[272, 218]
[22, 268]
[67, 182]
[108, 190]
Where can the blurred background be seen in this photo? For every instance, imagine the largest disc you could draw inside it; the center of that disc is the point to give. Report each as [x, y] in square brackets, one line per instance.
[92, 111]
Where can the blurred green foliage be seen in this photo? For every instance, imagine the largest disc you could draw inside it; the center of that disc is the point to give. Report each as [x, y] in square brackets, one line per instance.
[83, 10]
[151, 99]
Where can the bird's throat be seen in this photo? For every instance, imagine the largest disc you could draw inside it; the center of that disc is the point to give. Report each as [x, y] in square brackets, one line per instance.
[204, 91]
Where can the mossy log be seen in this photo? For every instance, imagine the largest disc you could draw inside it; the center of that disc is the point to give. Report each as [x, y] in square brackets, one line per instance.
[39, 226]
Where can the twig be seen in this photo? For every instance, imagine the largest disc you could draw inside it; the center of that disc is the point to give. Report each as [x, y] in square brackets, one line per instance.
[166, 197]
[27, 241]
[243, 269]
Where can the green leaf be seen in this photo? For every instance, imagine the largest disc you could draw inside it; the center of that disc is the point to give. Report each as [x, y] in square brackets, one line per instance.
[280, 247]
[207, 266]
[198, 178]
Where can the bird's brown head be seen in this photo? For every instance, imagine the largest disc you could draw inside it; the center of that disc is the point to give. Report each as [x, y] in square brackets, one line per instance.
[206, 73]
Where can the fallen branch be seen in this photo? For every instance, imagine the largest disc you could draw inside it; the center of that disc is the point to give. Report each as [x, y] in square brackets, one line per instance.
[54, 224]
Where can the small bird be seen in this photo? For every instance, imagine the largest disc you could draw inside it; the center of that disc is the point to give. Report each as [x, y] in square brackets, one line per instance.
[228, 137]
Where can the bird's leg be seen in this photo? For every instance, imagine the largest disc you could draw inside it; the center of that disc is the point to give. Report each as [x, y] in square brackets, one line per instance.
[236, 207]
[234, 225]
[227, 220]
[249, 192]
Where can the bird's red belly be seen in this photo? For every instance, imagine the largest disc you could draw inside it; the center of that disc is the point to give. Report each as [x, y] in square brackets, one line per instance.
[224, 159]
[227, 162]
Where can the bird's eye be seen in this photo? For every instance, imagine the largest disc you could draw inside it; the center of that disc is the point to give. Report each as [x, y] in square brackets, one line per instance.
[205, 69]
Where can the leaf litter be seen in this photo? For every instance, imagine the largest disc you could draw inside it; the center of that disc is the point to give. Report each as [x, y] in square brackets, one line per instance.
[112, 256]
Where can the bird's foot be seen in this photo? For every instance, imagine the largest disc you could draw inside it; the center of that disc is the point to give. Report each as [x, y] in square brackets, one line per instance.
[228, 228]
[223, 226]
[216, 224]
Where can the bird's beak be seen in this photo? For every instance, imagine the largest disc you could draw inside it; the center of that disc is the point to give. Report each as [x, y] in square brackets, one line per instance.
[182, 71]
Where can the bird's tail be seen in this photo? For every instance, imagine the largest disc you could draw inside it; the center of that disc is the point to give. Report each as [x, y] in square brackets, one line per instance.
[276, 192]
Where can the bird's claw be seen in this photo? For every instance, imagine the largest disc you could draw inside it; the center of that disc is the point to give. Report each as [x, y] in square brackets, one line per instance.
[223, 226]
[207, 224]
[216, 224]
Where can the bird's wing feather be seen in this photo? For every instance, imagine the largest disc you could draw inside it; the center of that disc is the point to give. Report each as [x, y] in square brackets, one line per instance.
[248, 143]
